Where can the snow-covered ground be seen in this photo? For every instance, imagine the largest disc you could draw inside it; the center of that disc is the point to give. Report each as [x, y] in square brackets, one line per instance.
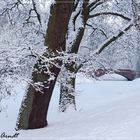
[106, 110]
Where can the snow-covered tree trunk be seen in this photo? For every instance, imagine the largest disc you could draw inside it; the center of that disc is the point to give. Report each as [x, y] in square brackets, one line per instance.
[67, 89]
[136, 12]
[35, 104]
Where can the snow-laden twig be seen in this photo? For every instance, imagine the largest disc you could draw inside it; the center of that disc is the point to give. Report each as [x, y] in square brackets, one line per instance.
[93, 4]
[113, 38]
[111, 13]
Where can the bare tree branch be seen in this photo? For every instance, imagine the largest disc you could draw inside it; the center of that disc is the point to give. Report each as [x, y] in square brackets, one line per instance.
[35, 9]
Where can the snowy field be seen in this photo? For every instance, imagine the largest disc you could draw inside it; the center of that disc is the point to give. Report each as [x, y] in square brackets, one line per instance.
[106, 110]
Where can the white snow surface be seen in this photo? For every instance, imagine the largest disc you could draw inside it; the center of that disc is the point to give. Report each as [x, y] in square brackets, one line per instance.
[112, 77]
[106, 110]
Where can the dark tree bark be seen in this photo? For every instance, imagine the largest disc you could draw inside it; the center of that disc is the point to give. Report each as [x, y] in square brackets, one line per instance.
[35, 105]
[67, 89]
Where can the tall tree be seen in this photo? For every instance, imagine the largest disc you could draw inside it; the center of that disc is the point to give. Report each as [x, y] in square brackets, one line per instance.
[67, 88]
[35, 104]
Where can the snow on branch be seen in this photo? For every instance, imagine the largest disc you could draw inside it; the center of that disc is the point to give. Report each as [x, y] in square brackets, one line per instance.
[97, 28]
[95, 3]
[36, 11]
[111, 13]
[10, 7]
[113, 38]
